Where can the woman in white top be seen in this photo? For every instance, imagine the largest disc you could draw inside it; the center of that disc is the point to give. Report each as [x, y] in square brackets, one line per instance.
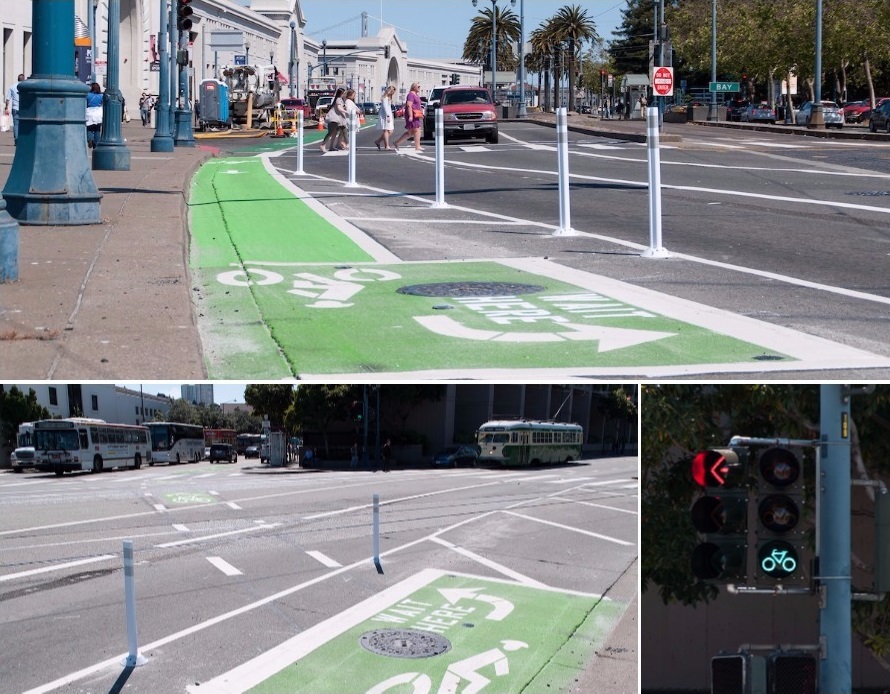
[385, 120]
[349, 103]
[336, 119]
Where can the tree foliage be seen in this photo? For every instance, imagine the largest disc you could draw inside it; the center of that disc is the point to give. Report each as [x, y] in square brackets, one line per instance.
[270, 399]
[767, 39]
[679, 420]
[477, 47]
[15, 408]
[212, 417]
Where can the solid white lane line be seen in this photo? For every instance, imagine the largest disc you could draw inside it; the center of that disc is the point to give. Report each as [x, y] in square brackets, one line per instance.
[213, 537]
[160, 507]
[324, 559]
[500, 568]
[224, 566]
[57, 567]
[590, 503]
[180, 527]
[568, 527]
[233, 505]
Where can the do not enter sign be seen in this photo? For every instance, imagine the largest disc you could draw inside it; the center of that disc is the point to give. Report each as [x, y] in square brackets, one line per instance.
[663, 81]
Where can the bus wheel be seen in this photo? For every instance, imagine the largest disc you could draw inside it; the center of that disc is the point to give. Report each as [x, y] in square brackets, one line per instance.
[568, 460]
[137, 461]
[97, 464]
[59, 473]
[151, 464]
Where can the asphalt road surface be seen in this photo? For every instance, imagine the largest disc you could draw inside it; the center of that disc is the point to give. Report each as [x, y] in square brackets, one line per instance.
[787, 230]
[234, 561]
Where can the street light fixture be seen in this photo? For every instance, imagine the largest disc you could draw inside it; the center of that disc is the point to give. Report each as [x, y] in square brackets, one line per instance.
[494, 41]
[324, 57]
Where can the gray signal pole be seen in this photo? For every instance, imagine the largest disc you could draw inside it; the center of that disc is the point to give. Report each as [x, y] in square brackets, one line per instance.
[833, 518]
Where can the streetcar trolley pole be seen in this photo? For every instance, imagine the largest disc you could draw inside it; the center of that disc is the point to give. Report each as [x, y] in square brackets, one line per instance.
[134, 658]
[655, 250]
[562, 158]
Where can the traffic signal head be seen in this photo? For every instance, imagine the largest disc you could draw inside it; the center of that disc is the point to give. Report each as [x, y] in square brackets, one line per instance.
[780, 503]
[184, 14]
[721, 514]
[386, 52]
[720, 468]
[357, 411]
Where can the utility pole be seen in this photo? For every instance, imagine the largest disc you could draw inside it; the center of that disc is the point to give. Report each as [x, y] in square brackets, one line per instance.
[833, 548]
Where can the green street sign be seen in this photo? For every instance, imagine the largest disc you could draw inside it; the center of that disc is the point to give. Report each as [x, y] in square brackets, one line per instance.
[723, 87]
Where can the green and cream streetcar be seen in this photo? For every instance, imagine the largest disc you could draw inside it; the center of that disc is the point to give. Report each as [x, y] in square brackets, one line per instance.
[519, 442]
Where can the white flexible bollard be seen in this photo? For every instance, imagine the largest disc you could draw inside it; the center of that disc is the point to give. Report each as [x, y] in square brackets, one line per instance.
[376, 533]
[440, 159]
[299, 170]
[655, 250]
[353, 134]
[562, 159]
[133, 659]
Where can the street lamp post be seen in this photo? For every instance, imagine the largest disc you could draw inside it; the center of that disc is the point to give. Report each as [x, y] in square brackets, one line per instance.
[494, 43]
[324, 57]
[817, 120]
[290, 65]
[522, 112]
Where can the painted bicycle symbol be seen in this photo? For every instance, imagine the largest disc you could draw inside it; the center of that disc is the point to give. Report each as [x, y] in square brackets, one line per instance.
[466, 670]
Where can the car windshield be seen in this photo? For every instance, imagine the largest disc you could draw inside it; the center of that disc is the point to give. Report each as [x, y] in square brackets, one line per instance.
[466, 96]
[449, 450]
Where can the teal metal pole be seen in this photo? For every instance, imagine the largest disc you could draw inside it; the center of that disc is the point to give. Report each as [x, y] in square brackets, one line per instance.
[111, 153]
[50, 182]
[835, 672]
[163, 137]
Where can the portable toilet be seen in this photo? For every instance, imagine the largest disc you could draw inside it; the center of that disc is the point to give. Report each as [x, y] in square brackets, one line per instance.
[214, 96]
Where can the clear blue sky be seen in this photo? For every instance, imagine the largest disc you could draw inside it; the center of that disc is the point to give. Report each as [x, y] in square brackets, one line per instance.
[222, 392]
[438, 28]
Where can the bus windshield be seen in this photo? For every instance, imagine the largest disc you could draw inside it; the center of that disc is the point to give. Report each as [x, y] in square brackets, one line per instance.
[495, 438]
[56, 440]
[161, 440]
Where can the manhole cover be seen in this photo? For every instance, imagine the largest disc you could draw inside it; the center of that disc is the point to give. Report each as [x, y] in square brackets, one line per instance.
[470, 289]
[404, 643]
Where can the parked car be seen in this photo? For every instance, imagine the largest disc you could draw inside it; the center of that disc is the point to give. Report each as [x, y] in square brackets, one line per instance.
[735, 108]
[369, 108]
[855, 110]
[322, 106]
[294, 105]
[22, 458]
[252, 452]
[223, 453]
[831, 114]
[878, 102]
[759, 112]
[453, 456]
[880, 118]
[429, 112]
[469, 111]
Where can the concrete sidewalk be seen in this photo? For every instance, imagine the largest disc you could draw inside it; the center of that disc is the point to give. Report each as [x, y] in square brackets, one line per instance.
[108, 300]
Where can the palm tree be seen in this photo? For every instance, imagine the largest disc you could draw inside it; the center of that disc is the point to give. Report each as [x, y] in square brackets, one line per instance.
[477, 47]
[572, 26]
[543, 50]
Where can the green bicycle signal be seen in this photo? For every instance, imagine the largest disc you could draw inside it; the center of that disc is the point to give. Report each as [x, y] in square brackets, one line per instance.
[777, 559]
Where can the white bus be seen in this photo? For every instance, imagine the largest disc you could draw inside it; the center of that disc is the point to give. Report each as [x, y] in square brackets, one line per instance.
[172, 442]
[519, 442]
[78, 443]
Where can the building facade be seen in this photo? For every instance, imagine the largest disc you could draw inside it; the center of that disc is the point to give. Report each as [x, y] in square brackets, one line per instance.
[101, 401]
[367, 64]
